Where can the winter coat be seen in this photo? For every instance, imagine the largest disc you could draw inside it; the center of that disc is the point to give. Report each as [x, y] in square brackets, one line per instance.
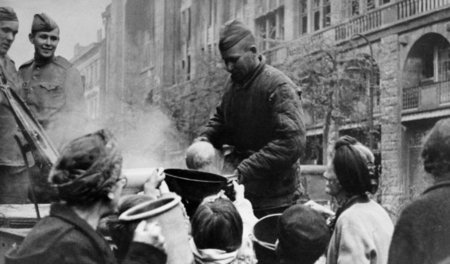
[65, 238]
[10, 154]
[263, 120]
[422, 232]
[361, 235]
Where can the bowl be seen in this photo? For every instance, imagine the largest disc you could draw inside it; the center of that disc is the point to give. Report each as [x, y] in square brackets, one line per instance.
[264, 237]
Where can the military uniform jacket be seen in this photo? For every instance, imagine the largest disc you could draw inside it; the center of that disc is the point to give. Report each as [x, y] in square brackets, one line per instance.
[54, 92]
[10, 154]
[262, 118]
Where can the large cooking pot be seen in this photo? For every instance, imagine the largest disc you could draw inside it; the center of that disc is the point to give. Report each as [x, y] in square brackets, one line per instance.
[194, 185]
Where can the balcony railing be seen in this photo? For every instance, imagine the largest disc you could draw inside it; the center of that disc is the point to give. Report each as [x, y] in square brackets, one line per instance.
[426, 97]
[387, 15]
[377, 19]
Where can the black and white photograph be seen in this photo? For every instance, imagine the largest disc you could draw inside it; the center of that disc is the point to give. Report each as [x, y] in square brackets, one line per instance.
[225, 131]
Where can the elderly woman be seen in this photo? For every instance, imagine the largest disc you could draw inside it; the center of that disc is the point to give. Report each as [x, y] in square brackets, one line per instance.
[422, 232]
[89, 182]
[361, 228]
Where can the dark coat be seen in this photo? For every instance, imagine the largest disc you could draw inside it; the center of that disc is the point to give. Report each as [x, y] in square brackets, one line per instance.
[422, 233]
[10, 154]
[262, 119]
[63, 237]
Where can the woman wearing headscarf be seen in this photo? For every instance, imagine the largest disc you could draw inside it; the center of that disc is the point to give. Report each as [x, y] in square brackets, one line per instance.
[361, 228]
[88, 179]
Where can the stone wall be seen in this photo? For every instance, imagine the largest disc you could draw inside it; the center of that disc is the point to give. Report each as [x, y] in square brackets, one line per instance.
[392, 177]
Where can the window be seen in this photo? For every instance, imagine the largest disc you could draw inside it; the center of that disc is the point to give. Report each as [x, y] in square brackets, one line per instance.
[370, 5]
[383, 2]
[303, 28]
[354, 8]
[261, 32]
[188, 68]
[186, 26]
[444, 64]
[316, 13]
[186, 40]
[326, 13]
[321, 10]
[428, 65]
[270, 28]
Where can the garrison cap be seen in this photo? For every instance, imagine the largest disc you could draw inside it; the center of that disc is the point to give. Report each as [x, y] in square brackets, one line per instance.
[42, 22]
[7, 14]
[231, 33]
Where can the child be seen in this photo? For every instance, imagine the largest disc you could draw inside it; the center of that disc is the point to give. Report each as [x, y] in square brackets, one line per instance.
[219, 234]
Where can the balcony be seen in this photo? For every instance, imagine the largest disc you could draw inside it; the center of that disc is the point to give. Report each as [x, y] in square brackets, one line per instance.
[375, 20]
[426, 97]
[386, 16]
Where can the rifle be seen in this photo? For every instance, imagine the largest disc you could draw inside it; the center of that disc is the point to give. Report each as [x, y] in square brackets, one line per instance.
[32, 139]
[35, 136]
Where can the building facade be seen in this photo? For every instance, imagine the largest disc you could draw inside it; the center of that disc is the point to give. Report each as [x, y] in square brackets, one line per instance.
[89, 61]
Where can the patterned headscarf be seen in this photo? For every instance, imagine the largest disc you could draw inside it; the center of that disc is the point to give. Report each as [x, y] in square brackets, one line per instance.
[88, 168]
[7, 14]
[42, 22]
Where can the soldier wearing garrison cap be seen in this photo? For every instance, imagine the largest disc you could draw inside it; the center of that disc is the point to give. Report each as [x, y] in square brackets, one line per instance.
[13, 178]
[52, 86]
[260, 116]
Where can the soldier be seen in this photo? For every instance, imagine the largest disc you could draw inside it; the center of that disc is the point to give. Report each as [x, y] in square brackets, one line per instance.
[52, 86]
[13, 178]
[53, 90]
[260, 116]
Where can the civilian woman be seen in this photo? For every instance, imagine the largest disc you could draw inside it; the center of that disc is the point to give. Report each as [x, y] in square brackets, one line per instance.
[89, 182]
[361, 228]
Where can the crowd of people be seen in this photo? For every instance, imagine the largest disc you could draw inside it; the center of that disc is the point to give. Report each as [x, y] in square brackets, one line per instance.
[255, 137]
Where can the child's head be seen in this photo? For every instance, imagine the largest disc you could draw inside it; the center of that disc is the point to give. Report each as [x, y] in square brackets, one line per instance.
[217, 224]
[303, 234]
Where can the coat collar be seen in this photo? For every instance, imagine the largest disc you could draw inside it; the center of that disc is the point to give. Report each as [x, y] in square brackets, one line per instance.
[439, 185]
[64, 212]
[254, 74]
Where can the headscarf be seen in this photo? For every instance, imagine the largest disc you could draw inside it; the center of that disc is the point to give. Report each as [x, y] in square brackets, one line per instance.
[7, 14]
[231, 33]
[88, 168]
[354, 166]
[42, 22]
